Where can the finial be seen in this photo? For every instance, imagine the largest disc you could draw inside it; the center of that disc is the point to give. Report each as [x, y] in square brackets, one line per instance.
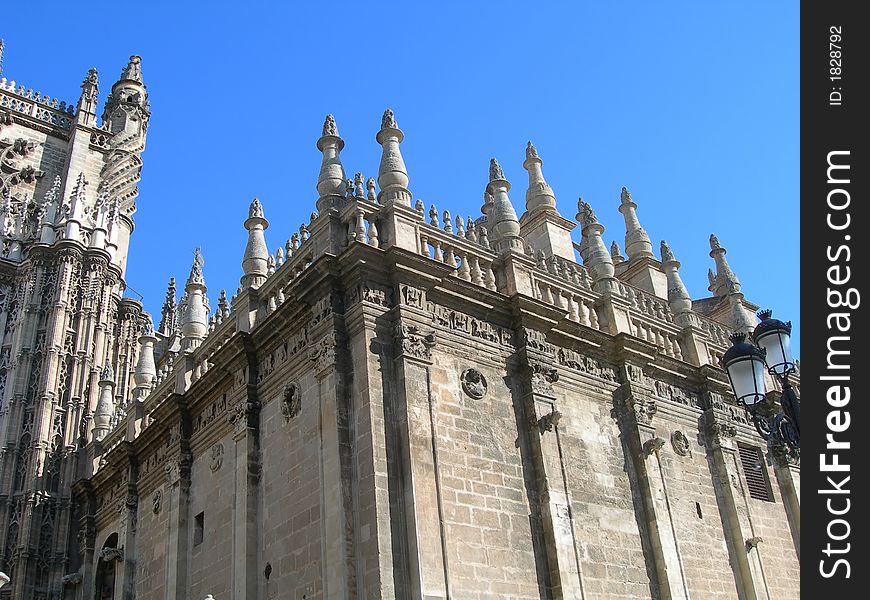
[223, 305]
[348, 188]
[764, 314]
[531, 151]
[358, 189]
[714, 242]
[255, 210]
[329, 126]
[91, 79]
[108, 373]
[616, 253]
[133, 70]
[585, 214]
[196, 276]
[371, 196]
[738, 337]
[388, 121]
[667, 255]
[495, 170]
[711, 278]
[625, 196]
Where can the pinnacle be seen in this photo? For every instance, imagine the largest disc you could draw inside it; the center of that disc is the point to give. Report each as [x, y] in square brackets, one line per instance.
[531, 151]
[133, 70]
[329, 126]
[388, 121]
[495, 170]
[625, 196]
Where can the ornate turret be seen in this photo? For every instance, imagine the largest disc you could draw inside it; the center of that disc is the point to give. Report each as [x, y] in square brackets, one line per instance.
[392, 175]
[255, 261]
[637, 243]
[86, 110]
[330, 182]
[594, 253]
[126, 116]
[724, 282]
[504, 227]
[195, 309]
[678, 297]
[105, 403]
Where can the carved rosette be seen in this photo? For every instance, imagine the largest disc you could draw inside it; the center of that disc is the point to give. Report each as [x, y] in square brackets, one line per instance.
[415, 342]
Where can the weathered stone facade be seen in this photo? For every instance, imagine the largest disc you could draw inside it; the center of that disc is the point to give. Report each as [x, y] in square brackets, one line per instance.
[396, 404]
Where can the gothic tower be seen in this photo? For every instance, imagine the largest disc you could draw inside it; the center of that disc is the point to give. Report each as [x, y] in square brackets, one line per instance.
[68, 188]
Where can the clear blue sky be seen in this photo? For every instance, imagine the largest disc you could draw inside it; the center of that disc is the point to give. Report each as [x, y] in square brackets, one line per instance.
[693, 106]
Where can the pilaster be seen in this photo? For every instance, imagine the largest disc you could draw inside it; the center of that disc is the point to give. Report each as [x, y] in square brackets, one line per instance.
[636, 411]
[536, 376]
[730, 493]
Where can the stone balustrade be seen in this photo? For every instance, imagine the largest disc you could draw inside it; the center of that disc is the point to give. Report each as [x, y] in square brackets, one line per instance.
[34, 104]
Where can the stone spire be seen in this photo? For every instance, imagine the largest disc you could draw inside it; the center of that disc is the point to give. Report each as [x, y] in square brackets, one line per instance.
[105, 409]
[392, 175]
[86, 111]
[504, 227]
[724, 282]
[678, 297]
[594, 254]
[539, 195]
[169, 314]
[255, 261]
[637, 243]
[146, 370]
[194, 315]
[2, 47]
[330, 182]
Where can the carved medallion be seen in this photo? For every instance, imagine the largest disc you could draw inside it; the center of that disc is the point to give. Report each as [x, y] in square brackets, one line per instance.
[291, 401]
[217, 457]
[680, 443]
[473, 383]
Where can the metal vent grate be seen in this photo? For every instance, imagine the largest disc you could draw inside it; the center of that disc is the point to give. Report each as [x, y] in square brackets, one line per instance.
[756, 472]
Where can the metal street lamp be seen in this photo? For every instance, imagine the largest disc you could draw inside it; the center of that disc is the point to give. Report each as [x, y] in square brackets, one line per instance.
[745, 364]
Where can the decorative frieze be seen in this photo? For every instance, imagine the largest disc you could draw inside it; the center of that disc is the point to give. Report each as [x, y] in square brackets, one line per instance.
[459, 322]
[411, 296]
[586, 364]
[368, 292]
[322, 353]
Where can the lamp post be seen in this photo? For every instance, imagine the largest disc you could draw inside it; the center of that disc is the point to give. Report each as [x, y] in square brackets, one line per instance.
[745, 364]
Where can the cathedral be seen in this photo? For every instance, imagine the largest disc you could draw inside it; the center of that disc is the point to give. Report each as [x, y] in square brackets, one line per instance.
[398, 403]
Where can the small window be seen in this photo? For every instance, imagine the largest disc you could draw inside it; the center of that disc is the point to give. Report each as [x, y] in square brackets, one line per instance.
[755, 472]
[198, 528]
